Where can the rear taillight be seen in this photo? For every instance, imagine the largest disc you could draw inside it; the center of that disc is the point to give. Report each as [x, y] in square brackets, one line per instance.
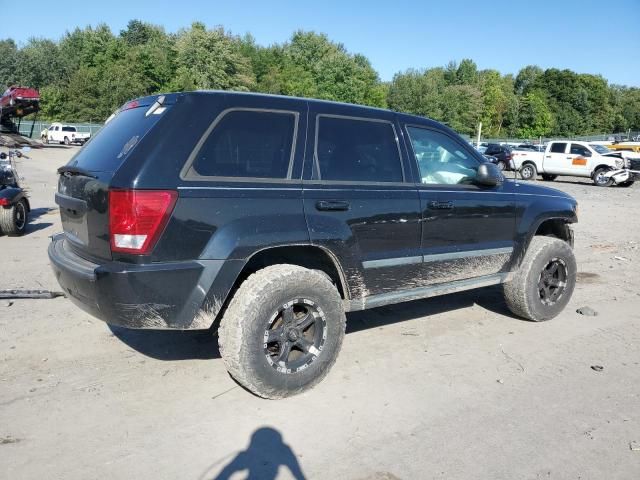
[4, 202]
[137, 218]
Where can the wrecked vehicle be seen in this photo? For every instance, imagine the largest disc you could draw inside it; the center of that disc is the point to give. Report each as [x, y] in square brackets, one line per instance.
[269, 217]
[14, 202]
[628, 170]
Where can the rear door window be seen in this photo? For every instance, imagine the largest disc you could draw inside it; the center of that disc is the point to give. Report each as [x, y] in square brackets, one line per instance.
[248, 144]
[558, 147]
[357, 150]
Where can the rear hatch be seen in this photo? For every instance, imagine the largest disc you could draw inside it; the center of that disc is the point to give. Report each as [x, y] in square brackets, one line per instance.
[83, 184]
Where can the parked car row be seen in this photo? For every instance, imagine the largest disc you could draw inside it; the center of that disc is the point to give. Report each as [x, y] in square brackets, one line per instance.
[606, 164]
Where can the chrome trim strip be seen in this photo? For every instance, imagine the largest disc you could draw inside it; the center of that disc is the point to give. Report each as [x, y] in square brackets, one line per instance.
[424, 292]
[439, 257]
[392, 262]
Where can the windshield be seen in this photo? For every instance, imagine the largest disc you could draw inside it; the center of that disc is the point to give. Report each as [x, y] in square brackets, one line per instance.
[601, 149]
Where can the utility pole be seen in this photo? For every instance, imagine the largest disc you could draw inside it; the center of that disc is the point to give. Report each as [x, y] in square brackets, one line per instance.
[479, 133]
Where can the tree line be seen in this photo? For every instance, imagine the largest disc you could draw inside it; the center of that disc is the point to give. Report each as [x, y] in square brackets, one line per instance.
[90, 72]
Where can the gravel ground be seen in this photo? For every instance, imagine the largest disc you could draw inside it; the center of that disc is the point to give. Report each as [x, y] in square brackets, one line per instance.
[452, 387]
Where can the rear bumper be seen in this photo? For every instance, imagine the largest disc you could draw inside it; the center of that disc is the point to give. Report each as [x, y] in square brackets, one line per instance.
[153, 296]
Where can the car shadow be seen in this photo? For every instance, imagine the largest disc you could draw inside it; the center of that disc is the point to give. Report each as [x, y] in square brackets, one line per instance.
[53, 145]
[36, 213]
[170, 345]
[36, 227]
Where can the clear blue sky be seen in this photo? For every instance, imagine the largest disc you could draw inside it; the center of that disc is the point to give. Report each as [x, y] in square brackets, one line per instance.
[586, 36]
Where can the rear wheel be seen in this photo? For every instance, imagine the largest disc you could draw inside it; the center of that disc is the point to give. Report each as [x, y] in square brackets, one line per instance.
[599, 178]
[626, 184]
[66, 141]
[13, 220]
[543, 285]
[548, 178]
[282, 331]
[501, 165]
[528, 171]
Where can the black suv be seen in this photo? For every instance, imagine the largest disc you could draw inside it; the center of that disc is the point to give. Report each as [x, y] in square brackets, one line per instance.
[269, 217]
[503, 156]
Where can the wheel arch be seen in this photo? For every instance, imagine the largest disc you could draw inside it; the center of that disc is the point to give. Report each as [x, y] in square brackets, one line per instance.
[223, 287]
[558, 226]
[602, 165]
[304, 255]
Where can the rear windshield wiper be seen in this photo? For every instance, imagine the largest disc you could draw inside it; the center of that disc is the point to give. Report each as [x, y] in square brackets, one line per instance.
[69, 170]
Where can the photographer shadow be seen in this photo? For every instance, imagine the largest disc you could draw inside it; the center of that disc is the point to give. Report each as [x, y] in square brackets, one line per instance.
[262, 458]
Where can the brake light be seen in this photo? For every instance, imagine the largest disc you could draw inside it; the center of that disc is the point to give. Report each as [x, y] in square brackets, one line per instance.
[131, 104]
[4, 202]
[137, 218]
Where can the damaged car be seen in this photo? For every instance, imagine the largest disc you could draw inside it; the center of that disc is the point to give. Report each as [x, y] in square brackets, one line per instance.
[268, 218]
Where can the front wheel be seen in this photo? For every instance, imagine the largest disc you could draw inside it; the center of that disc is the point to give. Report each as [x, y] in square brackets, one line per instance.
[543, 285]
[282, 331]
[599, 179]
[528, 171]
[501, 165]
[13, 220]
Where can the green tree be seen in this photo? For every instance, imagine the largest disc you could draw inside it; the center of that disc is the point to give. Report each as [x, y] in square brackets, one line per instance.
[535, 119]
[8, 60]
[210, 59]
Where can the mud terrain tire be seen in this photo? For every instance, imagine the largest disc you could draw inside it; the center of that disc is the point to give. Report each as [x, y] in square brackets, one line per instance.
[538, 292]
[259, 312]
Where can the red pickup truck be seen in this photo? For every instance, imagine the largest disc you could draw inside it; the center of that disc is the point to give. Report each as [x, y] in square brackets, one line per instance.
[19, 101]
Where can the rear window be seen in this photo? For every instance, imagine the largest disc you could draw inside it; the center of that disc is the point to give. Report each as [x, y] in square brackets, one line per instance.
[108, 149]
[68, 129]
[249, 144]
[357, 150]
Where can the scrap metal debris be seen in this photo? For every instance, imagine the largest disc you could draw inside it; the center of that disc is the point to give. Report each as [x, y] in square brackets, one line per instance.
[30, 294]
[587, 311]
[597, 368]
[634, 446]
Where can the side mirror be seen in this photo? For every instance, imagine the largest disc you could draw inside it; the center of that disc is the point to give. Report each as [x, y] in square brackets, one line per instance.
[489, 175]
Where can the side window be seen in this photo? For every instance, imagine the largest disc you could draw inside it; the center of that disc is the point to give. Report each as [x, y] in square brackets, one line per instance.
[248, 143]
[580, 150]
[357, 150]
[558, 147]
[441, 159]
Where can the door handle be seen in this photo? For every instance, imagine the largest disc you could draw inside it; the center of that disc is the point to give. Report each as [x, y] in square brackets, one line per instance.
[332, 205]
[440, 205]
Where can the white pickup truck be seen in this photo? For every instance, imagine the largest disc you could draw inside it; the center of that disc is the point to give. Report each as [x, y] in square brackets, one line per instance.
[576, 159]
[66, 134]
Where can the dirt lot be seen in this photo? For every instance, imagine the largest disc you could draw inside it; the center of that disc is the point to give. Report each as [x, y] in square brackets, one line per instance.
[452, 387]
